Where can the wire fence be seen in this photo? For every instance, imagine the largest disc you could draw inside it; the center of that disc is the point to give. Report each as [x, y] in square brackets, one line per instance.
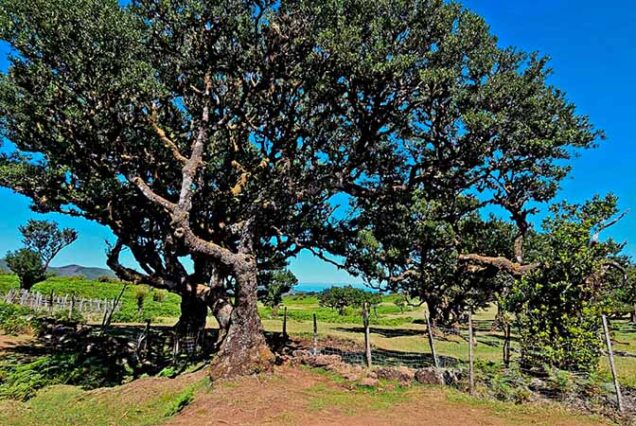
[482, 342]
[52, 302]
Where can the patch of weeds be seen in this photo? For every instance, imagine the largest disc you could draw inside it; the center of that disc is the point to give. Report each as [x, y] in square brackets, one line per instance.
[180, 401]
[21, 378]
[334, 377]
[503, 384]
[15, 320]
[169, 372]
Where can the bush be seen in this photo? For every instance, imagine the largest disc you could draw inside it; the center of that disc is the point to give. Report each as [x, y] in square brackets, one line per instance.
[15, 320]
[27, 265]
[105, 279]
[340, 298]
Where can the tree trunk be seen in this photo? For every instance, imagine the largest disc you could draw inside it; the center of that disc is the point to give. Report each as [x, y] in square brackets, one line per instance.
[634, 314]
[194, 311]
[222, 311]
[244, 350]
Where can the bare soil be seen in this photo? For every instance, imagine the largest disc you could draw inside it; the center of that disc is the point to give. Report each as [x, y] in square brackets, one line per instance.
[293, 396]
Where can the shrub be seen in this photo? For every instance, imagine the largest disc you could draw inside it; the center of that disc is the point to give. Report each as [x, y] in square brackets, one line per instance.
[158, 295]
[141, 292]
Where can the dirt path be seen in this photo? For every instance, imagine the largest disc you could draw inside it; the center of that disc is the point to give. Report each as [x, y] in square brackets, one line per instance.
[295, 396]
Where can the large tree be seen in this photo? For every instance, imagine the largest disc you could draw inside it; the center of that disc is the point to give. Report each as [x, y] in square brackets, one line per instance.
[214, 130]
[236, 132]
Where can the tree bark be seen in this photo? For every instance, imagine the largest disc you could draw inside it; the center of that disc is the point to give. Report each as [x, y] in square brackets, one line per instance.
[244, 350]
[222, 310]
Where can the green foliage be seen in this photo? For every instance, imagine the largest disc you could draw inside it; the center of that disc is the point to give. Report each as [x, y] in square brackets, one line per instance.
[21, 379]
[340, 298]
[558, 305]
[43, 240]
[27, 265]
[15, 320]
[159, 295]
[505, 384]
[141, 293]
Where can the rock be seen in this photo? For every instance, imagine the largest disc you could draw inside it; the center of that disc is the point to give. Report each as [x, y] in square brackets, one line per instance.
[452, 377]
[536, 384]
[430, 376]
[322, 360]
[369, 382]
[403, 375]
[350, 377]
[300, 353]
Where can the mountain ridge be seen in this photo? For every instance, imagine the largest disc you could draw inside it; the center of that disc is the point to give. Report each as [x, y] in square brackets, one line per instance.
[73, 270]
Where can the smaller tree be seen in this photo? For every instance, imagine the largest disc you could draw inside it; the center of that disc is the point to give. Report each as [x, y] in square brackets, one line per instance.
[273, 285]
[558, 304]
[27, 265]
[42, 240]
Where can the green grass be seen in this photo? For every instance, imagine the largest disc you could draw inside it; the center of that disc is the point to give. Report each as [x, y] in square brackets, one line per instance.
[168, 308]
[405, 330]
[69, 405]
[352, 401]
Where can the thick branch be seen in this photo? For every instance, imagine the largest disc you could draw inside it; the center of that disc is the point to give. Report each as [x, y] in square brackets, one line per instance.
[500, 263]
[129, 274]
[151, 195]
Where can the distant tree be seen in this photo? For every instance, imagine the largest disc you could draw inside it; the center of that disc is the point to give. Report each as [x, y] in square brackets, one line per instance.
[43, 240]
[340, 298]
[273, 285]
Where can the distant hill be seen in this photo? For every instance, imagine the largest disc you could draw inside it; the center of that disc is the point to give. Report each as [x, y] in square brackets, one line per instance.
[72, 271]
[87, 272]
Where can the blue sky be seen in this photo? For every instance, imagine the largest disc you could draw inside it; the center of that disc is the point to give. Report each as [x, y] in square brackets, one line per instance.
[593, 55]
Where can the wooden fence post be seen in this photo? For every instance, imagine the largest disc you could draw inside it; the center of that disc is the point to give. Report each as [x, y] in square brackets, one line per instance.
[315, 336]
[506, 347]
[431, 340]
[367, 337]
[471, 355]
[71, 306]
[285, 323]
[610, 354]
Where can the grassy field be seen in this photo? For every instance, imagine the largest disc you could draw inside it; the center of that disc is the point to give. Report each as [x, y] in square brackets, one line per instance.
[392, 329]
